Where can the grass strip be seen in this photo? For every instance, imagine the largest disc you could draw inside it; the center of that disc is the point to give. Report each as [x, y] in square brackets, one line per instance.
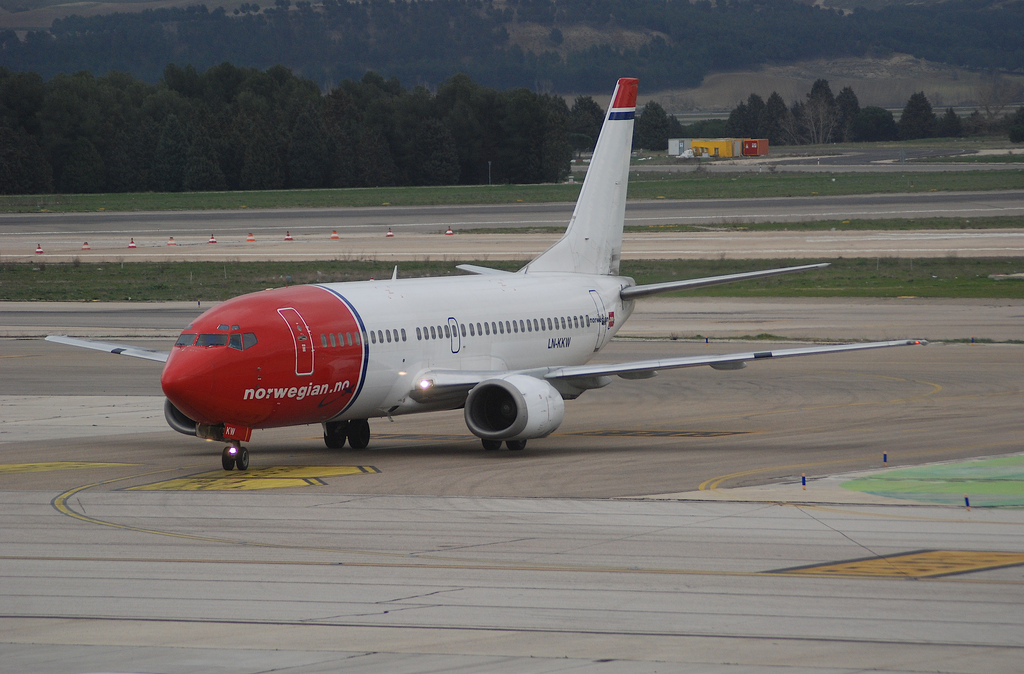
[210, 281]
[1000, 222]
[692, 185]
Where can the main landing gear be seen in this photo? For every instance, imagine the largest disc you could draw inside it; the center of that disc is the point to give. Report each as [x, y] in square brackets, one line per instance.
[511, 445]
[235, 456]
[356, 431]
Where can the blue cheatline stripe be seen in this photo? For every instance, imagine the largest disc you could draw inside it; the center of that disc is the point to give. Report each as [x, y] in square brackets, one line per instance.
[366, 346]
[622, 115]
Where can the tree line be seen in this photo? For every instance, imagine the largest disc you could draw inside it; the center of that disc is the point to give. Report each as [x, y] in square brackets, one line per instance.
[424, 41]
[823, 117]
[826, 118]
[233, 128]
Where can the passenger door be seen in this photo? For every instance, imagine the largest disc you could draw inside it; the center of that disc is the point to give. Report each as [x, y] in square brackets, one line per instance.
[302, 340]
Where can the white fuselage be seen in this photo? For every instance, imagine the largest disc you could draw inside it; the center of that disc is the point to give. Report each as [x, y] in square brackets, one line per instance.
[500, 323]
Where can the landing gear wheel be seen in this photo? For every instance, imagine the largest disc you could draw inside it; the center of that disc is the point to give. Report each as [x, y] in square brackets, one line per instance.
[227, 459]
[491, 445]
[335, 433]
[358, 433]
[515, 445]
[242, 460]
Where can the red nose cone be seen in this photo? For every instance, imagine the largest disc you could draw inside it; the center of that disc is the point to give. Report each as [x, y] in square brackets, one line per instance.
[188, 384]
[286, 357]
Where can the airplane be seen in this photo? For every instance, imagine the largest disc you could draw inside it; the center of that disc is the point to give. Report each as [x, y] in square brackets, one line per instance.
[507, 347]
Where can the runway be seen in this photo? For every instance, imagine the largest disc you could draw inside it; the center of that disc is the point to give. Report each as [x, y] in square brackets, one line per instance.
[595, 549]
[57, 229]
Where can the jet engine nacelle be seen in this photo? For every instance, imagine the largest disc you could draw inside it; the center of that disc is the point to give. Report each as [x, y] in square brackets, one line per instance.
[516, 407]
[177, 420]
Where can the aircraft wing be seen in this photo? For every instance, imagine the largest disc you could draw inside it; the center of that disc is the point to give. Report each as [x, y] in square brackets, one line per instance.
[436, 385]
[118, 349]
[730, 361]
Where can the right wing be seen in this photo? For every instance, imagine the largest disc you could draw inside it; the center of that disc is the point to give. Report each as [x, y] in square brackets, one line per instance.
[118, 349]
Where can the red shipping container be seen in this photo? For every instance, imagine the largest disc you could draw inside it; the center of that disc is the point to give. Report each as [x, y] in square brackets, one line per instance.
[755, 146]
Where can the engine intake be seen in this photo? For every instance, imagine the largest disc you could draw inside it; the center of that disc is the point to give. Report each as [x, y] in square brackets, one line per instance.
[177, 420]
[516, 407]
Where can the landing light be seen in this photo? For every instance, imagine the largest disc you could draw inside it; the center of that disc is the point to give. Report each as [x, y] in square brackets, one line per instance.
[232, 451]
[425, 384]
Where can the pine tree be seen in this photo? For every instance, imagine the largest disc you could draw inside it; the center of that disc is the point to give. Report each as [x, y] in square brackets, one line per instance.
[374, 164]
[652, 128]
[308, 152]
[917, 120]
[772, 120]
[949, 125]
[848, 107]
[83, 169]
[202, 170]
[170, 157]
[23, 165]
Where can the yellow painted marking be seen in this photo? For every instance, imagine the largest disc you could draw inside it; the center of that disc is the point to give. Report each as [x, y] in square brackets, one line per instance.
[925, 564]
[54, 465]
[274, 477]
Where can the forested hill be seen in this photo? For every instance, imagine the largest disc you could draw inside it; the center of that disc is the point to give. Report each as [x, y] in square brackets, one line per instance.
[553, 45]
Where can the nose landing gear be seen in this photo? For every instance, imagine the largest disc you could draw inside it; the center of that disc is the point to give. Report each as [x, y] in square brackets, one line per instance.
[235, 456]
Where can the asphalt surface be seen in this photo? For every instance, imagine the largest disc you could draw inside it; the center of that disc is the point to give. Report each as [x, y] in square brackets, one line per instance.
[435, 219]
[663, 527]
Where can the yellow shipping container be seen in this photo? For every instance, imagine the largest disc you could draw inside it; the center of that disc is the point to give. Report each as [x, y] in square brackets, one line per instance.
[708, 147]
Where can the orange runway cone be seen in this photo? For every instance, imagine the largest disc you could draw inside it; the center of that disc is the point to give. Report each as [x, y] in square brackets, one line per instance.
[86, 246]
[251, 238]
[288, 236]
[131, 244]
[449, 232]
[334, 235]
[213, 239]
[170, 242]
[39, 249]
[390, 233]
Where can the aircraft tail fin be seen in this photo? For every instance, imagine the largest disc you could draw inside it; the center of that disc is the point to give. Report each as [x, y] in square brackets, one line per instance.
[592, 243]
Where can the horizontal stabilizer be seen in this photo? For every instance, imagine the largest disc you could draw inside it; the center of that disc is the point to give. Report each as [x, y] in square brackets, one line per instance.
[483, 271]
[633, 292]
[117, 349]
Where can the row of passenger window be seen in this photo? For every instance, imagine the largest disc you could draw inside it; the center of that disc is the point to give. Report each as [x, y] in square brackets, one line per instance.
[445, 331]
[360, 338]
[504, 327]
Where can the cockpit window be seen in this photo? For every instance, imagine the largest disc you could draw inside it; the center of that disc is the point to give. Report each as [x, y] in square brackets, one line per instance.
[223, 326]
[212, 340]
[249, 340]
[186, 340]
[235, 341]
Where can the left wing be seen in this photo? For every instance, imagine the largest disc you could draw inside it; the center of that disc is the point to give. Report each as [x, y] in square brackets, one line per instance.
[731, 361]
[118, 349]
[437, 385]
[633, 292]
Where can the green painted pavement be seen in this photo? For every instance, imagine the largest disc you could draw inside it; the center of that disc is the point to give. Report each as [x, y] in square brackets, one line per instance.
[987, 482]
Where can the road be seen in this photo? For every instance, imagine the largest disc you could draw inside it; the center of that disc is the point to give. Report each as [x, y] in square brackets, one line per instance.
[419, 231]
[124, 548]
[435, 219]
